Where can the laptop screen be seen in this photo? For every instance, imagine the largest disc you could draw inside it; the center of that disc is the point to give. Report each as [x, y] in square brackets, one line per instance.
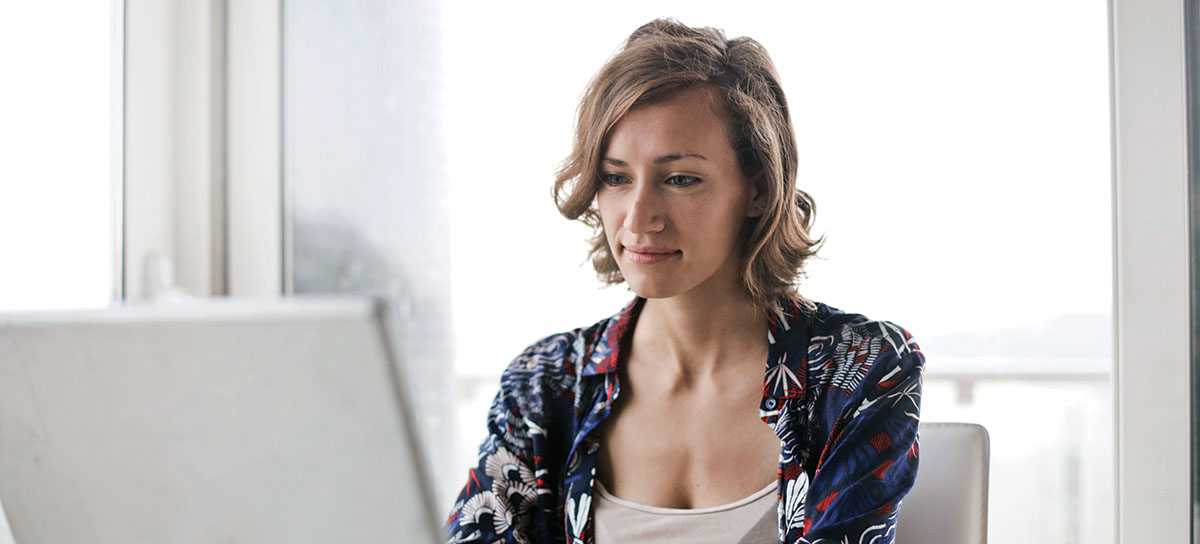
[266, 421]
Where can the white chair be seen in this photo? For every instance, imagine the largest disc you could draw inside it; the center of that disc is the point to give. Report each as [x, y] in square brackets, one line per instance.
[6, 536]
[948, 503]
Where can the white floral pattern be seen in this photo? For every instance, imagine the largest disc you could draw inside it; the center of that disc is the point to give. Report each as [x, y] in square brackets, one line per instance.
[795, 498]
[486, 504]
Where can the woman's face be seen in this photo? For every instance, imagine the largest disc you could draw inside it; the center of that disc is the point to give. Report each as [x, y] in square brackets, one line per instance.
[672, 199]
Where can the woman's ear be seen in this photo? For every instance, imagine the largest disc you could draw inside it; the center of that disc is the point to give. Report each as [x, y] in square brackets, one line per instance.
[757, 205]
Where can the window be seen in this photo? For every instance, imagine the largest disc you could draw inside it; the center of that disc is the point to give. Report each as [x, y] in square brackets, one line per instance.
[958, 155]
[60, 144]
[365, 181]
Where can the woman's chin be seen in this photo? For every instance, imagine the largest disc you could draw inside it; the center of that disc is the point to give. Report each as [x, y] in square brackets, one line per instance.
[653, 289]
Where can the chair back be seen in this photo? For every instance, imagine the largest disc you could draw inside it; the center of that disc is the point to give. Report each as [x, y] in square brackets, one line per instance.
[948, 503]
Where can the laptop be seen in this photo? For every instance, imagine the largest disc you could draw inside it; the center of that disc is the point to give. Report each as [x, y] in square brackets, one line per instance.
[209, 421]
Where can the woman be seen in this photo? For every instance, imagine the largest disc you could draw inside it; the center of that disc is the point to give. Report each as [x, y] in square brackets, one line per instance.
[676, 419]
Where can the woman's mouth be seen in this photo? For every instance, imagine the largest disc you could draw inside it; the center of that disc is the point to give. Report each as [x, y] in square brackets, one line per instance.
[648, 255]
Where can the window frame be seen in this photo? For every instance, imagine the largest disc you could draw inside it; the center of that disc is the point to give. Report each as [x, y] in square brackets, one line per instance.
[1151, 288]
[201, 184]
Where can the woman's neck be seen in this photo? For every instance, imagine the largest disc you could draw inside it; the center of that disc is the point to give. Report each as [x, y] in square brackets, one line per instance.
[700, 335]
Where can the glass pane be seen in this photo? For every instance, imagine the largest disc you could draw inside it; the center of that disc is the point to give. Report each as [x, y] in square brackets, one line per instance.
[60, 151]
[365, 179]
[958, 154]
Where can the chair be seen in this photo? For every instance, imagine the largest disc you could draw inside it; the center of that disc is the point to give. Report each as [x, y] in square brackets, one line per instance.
[948, 503]
[6, 536]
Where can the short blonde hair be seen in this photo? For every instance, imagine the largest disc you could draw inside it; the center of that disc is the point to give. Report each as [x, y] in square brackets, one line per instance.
[659, 59]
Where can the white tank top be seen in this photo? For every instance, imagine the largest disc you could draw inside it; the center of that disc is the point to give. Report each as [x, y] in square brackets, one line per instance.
[752, 520]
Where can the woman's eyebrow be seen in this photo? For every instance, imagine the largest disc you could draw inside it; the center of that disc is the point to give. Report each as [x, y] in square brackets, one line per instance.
[660, 160]
[676, 156]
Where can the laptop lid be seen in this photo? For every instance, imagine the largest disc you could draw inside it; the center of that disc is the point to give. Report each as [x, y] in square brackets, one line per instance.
[214, 421]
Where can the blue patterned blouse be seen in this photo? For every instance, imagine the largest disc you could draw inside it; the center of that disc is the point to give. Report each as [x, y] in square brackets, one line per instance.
[842, 392]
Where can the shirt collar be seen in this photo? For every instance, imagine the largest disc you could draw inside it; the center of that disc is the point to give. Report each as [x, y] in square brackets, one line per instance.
[787, 337]
[606, 351]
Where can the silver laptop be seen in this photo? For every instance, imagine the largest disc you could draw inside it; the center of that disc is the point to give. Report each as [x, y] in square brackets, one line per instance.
[213, 421]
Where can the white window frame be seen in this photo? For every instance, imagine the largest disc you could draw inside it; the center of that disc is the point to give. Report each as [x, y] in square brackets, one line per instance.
[203, 186]
[172, 170]
[259, 240]
[1150, 220]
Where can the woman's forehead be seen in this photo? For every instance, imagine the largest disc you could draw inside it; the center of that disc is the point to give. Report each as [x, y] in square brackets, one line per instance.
[690, 121]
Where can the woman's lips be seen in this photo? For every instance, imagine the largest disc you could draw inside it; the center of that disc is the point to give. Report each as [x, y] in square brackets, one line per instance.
[649, 256]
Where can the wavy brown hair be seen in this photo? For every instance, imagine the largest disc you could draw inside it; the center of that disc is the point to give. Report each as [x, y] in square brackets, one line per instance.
[659, 59]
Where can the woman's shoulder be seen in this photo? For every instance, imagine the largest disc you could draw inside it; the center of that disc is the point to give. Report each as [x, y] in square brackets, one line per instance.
[851, 359]
[848, 345]
[828, 321]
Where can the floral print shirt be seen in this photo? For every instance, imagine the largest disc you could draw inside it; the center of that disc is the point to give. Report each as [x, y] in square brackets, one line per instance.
[842, 393]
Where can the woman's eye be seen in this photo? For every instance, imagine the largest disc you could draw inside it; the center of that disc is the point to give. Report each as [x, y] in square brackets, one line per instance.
[683, 181]
[612, 179]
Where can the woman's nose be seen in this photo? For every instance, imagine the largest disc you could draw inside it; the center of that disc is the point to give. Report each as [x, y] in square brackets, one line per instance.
[645, 214]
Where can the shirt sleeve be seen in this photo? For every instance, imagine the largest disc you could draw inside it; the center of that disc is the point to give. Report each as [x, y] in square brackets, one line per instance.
[500, 496]
[869, 461]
